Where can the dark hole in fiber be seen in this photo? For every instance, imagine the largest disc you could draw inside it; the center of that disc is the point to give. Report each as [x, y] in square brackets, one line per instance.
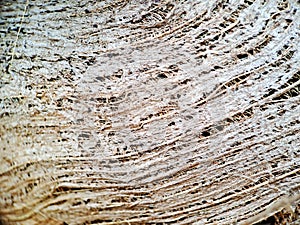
[242, 56]
[205, 134]
[162, 76]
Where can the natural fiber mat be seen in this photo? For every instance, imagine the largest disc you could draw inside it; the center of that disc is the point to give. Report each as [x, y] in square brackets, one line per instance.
[150, 112]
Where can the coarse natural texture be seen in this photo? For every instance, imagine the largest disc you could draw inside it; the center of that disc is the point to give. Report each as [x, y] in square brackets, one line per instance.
[149, 112]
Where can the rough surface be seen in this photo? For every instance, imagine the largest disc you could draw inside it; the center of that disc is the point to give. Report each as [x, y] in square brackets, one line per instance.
[149, 112]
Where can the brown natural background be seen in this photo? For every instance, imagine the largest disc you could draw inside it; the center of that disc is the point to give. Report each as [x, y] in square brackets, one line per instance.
[149, 112]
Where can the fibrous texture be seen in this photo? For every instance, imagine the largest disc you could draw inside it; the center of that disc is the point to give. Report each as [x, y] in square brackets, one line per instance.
[149, 112]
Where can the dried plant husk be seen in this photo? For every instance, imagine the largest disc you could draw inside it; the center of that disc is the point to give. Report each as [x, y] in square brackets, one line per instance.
[149, 112]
